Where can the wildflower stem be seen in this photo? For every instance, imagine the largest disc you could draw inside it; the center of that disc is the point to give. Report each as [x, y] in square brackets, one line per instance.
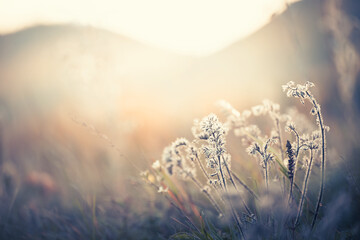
[244, 185]
[297, 141]
[291, 190]
[323, 157]
[280, 138]
[266, 176]
[221, 173]
[235, 216]
[212, 200]
[277, 121]
[209, 179]
[202, 167]
[283, 169]
[304, 189]
[233, 183]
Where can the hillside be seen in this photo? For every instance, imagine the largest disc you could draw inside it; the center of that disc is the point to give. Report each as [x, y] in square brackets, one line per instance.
[133, 92]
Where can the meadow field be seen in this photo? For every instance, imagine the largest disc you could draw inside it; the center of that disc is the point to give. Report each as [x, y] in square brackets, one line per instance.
[106, 137]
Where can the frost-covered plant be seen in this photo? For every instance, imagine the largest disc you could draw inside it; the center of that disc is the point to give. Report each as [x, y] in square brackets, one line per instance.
[266, 157]
[303, 93]
[207, 154]
[291, 166]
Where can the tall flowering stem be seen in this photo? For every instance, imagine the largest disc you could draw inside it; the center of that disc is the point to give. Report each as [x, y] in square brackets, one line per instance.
[174, 162]
[323, 155]
[206, 191]
[302, 92]
[234, 185]
[305, 185]
[266, 157]
[213, 131]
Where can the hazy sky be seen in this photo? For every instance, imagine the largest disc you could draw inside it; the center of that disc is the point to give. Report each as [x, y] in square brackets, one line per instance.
[184, 26]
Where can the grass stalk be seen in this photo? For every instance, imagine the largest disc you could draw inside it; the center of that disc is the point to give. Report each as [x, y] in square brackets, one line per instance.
[230, 202]
[266, 175]
[208, 195]
[304, 189]
[233, 183]
[252, 193]
[323, 157]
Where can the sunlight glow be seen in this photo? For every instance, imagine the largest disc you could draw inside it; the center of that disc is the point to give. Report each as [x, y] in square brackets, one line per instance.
[196, 27]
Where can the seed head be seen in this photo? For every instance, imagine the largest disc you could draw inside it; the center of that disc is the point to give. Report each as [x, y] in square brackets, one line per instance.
[291, 160]
[298, 91]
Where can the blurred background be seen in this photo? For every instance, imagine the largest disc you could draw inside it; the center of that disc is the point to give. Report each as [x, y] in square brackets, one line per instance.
[92, 91]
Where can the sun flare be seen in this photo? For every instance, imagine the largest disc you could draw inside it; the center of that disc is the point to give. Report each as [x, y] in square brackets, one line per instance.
[197, 27]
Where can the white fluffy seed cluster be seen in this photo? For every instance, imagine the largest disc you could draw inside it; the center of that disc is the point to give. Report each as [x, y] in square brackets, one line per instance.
[177, 159]
[214, 132]
[298, 91]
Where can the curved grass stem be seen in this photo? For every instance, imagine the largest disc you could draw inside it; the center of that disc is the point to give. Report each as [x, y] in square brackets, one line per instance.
[323, 157]
[304, 189]
[208, 195]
